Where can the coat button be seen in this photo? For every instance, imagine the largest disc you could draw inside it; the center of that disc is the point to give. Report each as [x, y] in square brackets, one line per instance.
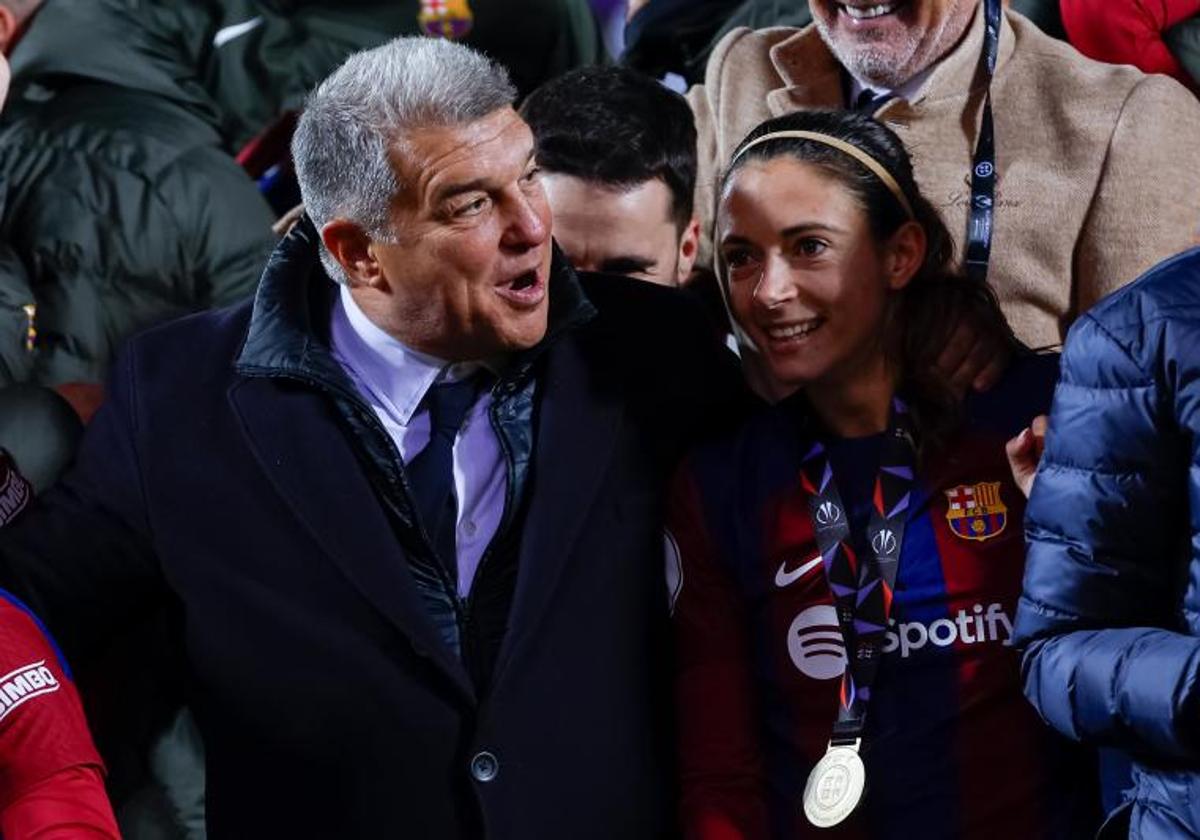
[484, 767]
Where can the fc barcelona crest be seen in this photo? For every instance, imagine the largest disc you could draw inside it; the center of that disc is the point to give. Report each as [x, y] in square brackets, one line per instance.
[976, 511]
[450, 19]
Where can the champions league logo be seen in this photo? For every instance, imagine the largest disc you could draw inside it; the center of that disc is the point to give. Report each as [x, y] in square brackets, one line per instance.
[828, 514]
[884, 543]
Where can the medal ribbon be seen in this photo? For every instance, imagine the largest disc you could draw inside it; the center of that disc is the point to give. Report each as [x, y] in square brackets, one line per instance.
[862, 586]
[983, 167]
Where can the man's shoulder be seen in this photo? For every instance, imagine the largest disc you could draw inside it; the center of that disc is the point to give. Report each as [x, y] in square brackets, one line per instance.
[189, 349]
[649, 327]
[115, 127]
[657, 347]
[1096, 84]
[745, 52]
[1167, 294]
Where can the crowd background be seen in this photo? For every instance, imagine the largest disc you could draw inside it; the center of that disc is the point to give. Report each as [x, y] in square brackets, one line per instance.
[144, 169]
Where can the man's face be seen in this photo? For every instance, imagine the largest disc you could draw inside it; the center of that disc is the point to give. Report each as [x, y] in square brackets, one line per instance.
[467, 276]
[620, 231]
[887, 42]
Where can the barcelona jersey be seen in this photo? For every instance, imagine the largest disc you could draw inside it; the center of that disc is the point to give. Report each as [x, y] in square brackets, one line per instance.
[951, 748]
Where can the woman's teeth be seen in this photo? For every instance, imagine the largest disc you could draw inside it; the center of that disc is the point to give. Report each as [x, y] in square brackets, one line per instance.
[868, 12]
[792, 331]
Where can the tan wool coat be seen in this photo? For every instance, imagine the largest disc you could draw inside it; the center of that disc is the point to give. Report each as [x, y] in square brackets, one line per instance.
[1098, 165]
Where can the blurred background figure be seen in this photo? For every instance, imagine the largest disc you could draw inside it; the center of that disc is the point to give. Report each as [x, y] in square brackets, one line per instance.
[617, 153]
[1137, 32]
[677, 36]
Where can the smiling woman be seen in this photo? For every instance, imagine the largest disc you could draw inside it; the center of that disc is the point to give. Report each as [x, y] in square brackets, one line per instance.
[851, 558]
[837, 270]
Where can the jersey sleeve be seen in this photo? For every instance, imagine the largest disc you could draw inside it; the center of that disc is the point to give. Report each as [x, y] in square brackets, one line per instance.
[42, 726]
[69, 805]
[723, 787]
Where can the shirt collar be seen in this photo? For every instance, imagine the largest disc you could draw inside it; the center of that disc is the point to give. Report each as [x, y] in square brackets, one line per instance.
[906, 91]
[394, 374]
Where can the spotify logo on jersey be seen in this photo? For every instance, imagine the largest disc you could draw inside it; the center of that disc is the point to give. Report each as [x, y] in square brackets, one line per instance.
[815, 643]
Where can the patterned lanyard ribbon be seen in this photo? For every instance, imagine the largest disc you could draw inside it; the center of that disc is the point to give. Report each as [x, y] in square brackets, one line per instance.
[983, 167]
[862, 587]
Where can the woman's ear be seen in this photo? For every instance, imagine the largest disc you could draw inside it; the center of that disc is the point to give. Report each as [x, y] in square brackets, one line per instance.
[904, 255]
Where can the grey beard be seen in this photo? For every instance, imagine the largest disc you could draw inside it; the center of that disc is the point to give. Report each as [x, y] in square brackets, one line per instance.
[875, 64]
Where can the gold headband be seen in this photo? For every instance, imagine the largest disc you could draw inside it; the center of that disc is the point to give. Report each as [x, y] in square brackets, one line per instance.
[877, 169]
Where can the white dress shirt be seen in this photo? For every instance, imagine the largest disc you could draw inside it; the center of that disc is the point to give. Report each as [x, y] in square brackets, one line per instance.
[393, 379]
[906, 91]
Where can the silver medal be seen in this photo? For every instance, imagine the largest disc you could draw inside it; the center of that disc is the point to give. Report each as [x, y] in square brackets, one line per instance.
[834, 786]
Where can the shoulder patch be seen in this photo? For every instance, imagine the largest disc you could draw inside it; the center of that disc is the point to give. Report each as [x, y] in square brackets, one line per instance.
[25, 683]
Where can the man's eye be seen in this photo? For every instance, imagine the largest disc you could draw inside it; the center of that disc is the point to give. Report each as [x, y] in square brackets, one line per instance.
[532, 174]
[473, 208]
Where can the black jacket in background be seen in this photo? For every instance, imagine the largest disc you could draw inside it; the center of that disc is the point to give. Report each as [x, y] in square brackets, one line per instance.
[328, 703]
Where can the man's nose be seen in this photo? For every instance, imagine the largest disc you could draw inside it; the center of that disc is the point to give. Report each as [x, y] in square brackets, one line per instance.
[528, 223]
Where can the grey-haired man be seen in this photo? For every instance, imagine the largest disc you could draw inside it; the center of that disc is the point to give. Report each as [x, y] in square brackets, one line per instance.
[409, 520]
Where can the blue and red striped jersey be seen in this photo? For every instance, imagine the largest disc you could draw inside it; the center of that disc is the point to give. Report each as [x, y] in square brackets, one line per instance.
[952, 748]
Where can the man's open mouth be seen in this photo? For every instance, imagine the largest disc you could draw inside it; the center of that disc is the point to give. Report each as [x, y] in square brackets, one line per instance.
[525, 290]
[869, 12]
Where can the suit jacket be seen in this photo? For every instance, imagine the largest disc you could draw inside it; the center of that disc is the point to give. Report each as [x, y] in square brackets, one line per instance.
[1098, 168]
[329, 704]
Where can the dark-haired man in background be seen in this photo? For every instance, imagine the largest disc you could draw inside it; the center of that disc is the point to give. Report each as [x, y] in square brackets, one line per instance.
[617, 152]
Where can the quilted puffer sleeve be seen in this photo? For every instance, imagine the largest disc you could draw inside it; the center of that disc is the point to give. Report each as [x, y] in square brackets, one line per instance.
[1108, 657]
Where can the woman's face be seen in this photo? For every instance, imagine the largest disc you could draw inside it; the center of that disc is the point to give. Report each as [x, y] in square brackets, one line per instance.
[808, 283]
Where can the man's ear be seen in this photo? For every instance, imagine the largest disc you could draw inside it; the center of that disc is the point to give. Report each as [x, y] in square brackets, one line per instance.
[905, 253]
[351, 247]
[8, 28]
[689, 247]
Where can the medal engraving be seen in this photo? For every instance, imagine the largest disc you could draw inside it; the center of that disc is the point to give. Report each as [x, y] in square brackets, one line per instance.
[835, 787]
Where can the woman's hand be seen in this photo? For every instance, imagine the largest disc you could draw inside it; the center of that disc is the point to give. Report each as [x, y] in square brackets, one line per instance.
[1025, 451]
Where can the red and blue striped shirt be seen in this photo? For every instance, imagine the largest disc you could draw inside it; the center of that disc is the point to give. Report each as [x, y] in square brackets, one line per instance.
[952, 749]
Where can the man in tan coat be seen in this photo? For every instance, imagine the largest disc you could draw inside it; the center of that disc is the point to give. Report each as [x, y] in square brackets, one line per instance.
[1098, 166]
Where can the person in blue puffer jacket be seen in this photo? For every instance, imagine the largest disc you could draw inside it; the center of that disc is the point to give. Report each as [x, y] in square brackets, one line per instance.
[1110, 615]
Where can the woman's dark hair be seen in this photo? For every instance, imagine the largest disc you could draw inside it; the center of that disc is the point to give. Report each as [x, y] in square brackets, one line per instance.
[938, 295]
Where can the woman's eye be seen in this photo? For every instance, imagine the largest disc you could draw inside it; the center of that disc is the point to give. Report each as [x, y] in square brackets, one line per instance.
[531, 176]
[738, 258]
[810, 247]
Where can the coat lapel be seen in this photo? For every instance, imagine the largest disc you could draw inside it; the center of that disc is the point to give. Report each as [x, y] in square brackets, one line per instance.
[811, 76]
[576, 433]
[312, 465]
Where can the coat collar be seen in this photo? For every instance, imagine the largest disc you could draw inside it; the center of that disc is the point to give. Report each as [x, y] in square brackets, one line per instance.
[813, 78]
[317, 471]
